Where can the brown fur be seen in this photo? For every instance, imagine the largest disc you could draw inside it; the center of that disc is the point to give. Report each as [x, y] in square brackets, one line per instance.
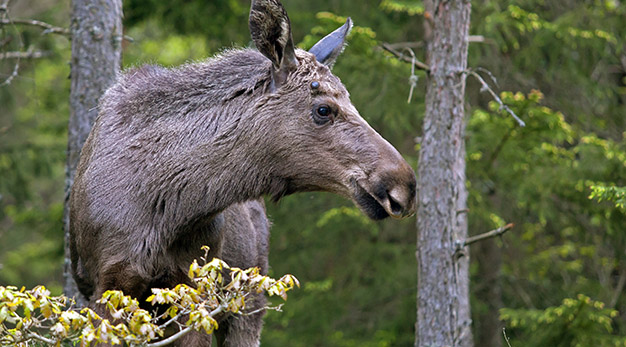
[179, 158]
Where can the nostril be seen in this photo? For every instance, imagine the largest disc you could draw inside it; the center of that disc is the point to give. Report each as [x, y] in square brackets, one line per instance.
[397, 199]
[396, 207]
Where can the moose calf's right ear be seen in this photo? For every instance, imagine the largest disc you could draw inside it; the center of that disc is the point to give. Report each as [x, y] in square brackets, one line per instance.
[271, 33]
[328, 49]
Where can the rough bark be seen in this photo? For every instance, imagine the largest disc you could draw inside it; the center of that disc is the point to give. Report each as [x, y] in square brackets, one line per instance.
[96, 31]
[443, 312]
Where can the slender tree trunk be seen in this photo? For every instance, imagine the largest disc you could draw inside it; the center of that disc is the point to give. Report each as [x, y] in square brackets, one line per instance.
[96, 55]
[443, 312]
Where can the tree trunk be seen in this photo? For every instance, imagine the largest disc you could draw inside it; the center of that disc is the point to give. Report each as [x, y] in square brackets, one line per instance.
[96, 27]
[443, 312]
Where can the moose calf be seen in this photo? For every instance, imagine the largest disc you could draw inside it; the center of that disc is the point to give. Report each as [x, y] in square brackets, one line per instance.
[179, 158]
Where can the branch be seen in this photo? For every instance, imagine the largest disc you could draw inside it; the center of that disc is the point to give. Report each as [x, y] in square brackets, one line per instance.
[14, 73]
[402, 45]
[183, 332]
[487, 235]
[486, 87]
[24, 55]
[420, 44]
[506, 338]
[479, 39]
[41, 338]
[171, 339]
[401, 56]
[48, 28]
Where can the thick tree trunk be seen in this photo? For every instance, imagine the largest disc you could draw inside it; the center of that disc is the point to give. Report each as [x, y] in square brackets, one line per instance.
[443, 312]
[96, 55]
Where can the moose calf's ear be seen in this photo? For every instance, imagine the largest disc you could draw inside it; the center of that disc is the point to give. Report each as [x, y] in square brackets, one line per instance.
[328, 49]
[271, 33]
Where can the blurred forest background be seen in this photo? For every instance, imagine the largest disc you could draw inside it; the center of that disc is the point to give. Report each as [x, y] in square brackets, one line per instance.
[557, 279]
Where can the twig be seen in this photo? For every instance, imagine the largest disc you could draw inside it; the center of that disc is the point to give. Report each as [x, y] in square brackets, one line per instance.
[420, 44]
[171, 339]
[41, 338]
[503, 106]
[402, 45]
[170, 321]
[413, 79]
[418, 64]
[48, 28]
[479, 39]
[24, 55]
[487, 235]
[14, 73]
[16, 66]
[275, 308]
[183, 332]
[506, 338]
[493, 78]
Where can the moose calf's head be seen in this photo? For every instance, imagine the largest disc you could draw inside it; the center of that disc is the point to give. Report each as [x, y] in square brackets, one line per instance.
[324, 143]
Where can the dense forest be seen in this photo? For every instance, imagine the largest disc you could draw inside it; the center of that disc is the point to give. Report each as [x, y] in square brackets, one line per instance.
[557, 278]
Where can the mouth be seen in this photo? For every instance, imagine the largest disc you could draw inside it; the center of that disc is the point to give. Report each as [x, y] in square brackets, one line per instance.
[378, 204]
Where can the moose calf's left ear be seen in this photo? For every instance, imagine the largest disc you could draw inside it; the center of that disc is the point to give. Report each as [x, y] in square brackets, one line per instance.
[271, 32]
[328, 49]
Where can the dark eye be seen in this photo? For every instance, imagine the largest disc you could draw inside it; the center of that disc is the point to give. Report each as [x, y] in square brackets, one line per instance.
[322, 114]
[323, 111]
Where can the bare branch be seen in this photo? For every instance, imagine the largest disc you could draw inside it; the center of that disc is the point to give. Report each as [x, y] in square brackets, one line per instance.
[479, 39]
[503, 106]
[183, 332]
[278, 308]
[24, 55]
[401, 56]
[487, 235]
[42, 338]
[171, 339]
[48, 28]
[402, 45]
[485, 86]
[506, 338]
[420, 44]
[14, 73]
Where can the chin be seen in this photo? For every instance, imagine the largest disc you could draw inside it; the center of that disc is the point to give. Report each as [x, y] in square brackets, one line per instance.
[368, 204]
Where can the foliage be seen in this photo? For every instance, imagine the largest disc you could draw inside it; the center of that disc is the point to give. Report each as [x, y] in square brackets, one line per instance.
[539, 174]
[33, 128]
[33, 315]
[359, 276]
[410, 7]
[614, 194]
[576, 322]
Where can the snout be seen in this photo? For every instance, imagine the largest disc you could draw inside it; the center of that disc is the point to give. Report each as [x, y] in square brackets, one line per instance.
[388, 192]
